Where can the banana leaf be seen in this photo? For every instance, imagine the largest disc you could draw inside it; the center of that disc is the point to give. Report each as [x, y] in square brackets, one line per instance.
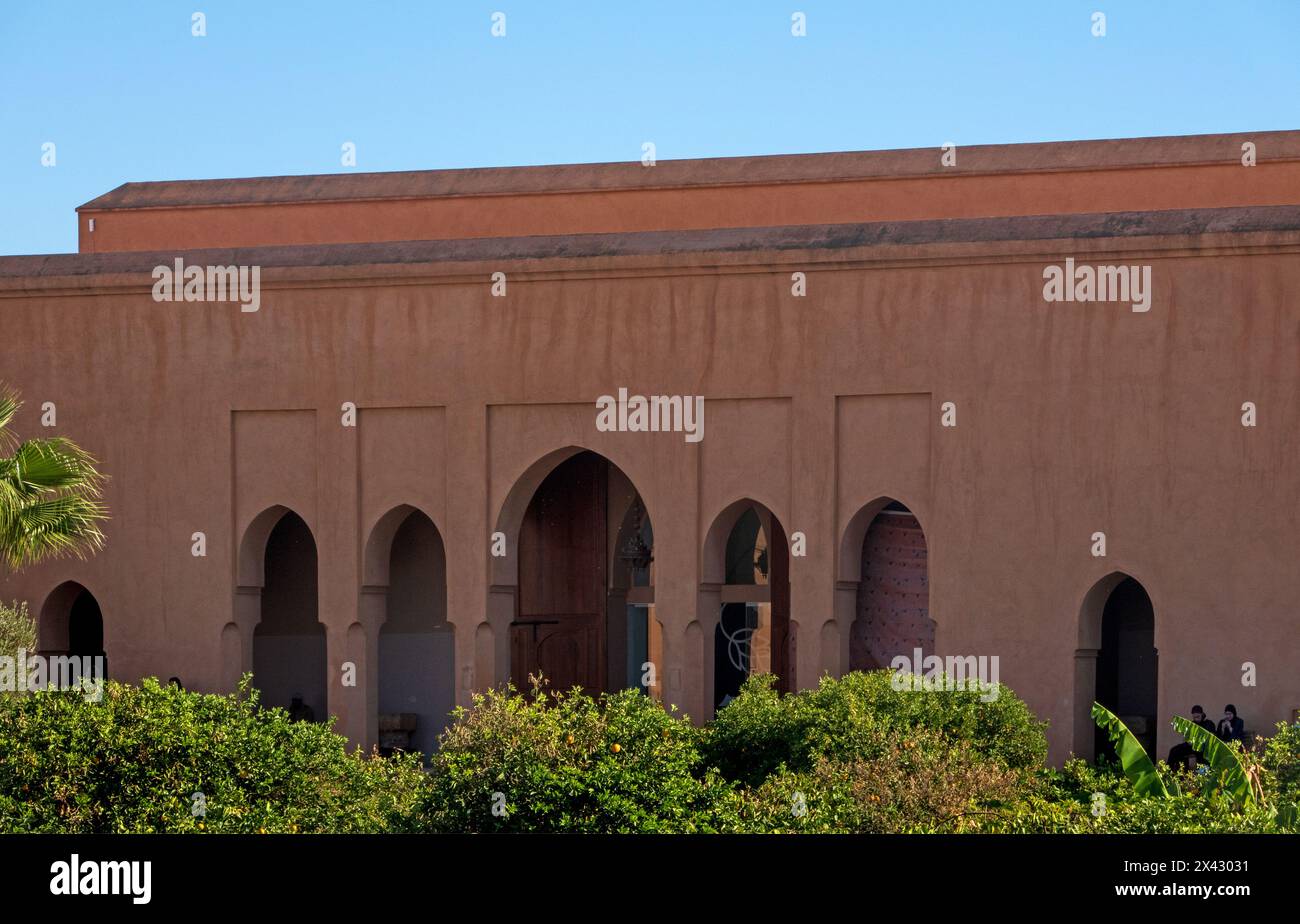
[1230, 776]
[1137, 766]
[1288, 815]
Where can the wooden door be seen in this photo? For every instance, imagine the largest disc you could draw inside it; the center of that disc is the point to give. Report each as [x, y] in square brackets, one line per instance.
[559, 629]
[783, 657]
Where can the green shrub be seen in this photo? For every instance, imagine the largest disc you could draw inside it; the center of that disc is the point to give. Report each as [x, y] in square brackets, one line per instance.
[567, 762]
[1281, 759]
[922, 783]
[133, 762]
[17, 629]
[760, 732]
[858, 718]
[1063, 802]
[853, 755]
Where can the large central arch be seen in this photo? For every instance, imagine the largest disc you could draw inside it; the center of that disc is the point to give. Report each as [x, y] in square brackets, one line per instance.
[580, 570]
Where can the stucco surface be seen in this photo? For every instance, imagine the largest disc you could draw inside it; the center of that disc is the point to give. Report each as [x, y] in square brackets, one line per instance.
[1072, 418]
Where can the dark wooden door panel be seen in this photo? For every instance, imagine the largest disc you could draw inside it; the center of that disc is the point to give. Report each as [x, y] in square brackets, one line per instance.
[559, 628]
[782, 644]
[566, 649]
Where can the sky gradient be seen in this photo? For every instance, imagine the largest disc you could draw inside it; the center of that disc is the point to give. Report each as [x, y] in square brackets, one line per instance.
[127, 93]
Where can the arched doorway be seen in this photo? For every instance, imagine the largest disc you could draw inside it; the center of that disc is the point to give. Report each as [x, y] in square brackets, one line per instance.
[289, 643]
[71, 623]
[416, 642]
[892, 616]
[1117, 664]
[753, 634]
[1126, 664]
[584, 608]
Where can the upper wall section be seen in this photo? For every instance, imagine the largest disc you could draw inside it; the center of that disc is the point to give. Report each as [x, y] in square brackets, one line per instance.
[989, 181]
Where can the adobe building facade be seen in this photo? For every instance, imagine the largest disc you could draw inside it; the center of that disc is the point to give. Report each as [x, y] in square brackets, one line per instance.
[395, 483]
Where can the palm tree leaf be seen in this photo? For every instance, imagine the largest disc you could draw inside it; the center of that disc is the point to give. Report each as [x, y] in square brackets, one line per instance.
[51, 527]
[9, 405]
[51, 464]
[50, 494]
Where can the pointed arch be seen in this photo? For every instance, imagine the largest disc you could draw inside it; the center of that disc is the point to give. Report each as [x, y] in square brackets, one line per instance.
[747, 559]
[281, 639]
[71, 622]
[884, 561]
[1116, 661]
[404, 570]
[579, 548]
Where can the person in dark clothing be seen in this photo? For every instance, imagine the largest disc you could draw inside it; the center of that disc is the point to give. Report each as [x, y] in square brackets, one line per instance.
[1230, 727]
[1183, 754]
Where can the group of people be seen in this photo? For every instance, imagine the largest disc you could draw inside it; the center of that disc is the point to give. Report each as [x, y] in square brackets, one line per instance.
[1229, 728]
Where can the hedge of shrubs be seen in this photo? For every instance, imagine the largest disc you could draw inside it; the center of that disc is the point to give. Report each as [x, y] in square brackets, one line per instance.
[567, 762]
[852, 755]
[153, 758]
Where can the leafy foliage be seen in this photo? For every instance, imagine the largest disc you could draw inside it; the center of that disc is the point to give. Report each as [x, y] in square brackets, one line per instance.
[1133, 757]
[1230, 777]
[50, 495]
[858, 717]
[568, 762]
[1281, 760]
[17, 629]
[921, 783]
[135, 760]
[1083, 799]
[853, 755]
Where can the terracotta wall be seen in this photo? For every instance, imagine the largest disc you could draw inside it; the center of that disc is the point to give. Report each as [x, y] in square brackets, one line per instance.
[1071, 419]
[974, 182]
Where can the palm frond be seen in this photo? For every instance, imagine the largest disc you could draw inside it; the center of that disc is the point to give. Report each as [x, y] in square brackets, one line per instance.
[9, 405]
[50, 495]
[52, 527]
[51, 464]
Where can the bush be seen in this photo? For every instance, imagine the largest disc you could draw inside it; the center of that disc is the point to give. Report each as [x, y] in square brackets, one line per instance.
[1281, 760]
[17, 629]
[860, 717]
[567, 762]
[922, 783]
[760, 732]
[853, 755]
[134, 761]
[1063, 802]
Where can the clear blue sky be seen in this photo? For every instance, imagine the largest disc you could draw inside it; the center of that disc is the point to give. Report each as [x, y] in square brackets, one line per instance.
[126, 93]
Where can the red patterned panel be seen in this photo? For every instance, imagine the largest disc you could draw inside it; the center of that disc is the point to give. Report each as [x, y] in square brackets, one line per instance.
[894, 596]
